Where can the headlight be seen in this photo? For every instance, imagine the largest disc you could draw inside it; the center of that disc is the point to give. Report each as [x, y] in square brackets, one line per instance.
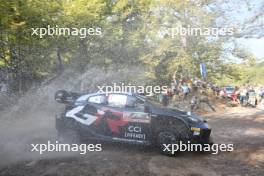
[193, 119]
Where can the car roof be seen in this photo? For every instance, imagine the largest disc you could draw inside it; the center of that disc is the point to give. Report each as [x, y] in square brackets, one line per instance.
[86, 96]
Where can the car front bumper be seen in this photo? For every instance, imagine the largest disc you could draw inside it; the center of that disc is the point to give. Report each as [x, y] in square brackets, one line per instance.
[201, 134]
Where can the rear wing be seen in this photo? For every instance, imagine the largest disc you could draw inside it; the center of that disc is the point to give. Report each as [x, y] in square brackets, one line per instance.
[65, 97]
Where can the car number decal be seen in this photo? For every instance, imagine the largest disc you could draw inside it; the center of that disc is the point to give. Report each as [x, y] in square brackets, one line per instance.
[89, 118]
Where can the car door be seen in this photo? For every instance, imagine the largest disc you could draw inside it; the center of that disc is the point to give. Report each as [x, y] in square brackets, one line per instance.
[126, 118]
[89, 116]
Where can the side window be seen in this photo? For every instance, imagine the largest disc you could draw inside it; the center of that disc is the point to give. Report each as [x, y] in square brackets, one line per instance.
[98, 99]
[117, 100]
[131, 101]
[89, 110]
[140, 102]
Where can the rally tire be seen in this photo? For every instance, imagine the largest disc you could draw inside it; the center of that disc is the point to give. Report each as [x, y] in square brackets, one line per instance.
[167, 137]
[69, 136]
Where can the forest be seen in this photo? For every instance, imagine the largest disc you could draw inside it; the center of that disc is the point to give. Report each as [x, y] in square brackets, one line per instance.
[107, 33]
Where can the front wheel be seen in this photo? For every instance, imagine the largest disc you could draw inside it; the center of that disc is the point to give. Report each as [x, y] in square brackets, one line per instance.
[166, 141]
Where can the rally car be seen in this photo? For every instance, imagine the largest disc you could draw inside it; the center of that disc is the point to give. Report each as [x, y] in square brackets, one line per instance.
[126, 117]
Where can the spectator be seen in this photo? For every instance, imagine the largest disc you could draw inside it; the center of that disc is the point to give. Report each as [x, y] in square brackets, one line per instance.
[262, 95]
[185, 90]
[190, 85]
[173, 87]
[243, 95]
[234, 96]
[169, 95]
[165, 100]
[160, 97]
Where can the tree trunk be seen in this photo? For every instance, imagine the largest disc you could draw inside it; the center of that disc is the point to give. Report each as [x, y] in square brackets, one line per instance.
[60, 64]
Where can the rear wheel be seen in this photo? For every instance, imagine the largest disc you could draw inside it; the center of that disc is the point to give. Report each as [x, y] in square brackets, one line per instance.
[68, 136]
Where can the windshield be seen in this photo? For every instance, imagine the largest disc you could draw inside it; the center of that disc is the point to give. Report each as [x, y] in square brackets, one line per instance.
[154, 100]
[229, 89]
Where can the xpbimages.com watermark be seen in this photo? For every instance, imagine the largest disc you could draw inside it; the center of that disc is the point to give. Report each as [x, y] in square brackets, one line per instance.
[197, 31]
[59, 147]
[190, 147]
[66, 31]
[122, 87]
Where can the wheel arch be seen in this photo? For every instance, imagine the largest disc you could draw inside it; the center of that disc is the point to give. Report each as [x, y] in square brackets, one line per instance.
[160, 122]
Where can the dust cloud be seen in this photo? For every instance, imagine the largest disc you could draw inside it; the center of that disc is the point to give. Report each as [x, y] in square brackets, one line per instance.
[32, 118]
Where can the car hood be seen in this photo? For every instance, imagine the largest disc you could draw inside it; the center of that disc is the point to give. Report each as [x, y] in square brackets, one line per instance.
[166, 111]
[187, 117]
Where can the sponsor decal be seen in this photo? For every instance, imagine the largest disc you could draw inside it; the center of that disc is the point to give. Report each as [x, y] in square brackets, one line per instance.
[135, 132]
[73, 114]
[140, 117]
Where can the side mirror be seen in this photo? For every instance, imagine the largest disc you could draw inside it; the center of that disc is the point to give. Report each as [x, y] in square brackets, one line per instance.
[62, 96]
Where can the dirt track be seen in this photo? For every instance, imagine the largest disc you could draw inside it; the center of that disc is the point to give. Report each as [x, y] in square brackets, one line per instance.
[244, 127]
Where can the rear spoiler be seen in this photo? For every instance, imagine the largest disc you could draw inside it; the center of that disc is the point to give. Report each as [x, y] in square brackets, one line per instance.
[65, 97]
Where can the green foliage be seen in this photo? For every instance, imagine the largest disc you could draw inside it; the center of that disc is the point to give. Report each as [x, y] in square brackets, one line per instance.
[134, 32]
[166, 53]
[240, 74]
